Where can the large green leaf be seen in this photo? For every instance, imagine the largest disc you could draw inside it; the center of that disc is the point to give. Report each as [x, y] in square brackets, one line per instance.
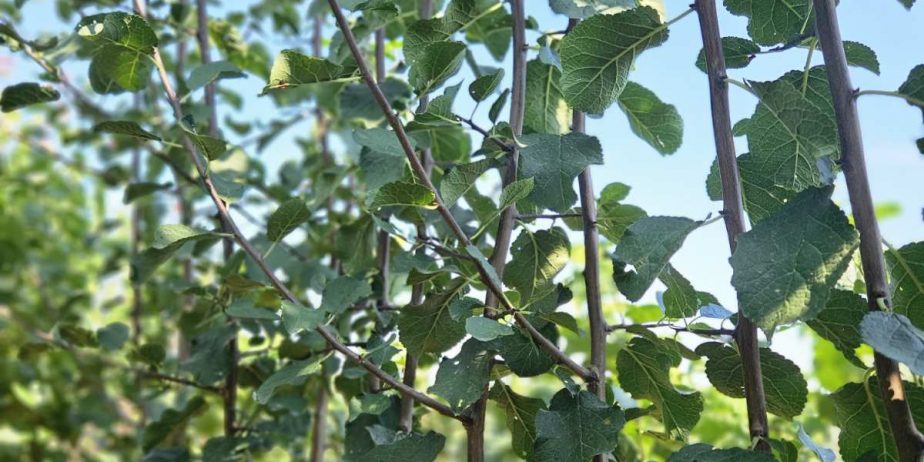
[121, 59]
[774, 21]
[168, 239]
[647, 245]
[654, 121]
[906, 268]
[762, 196]
[291, 69]
[614, 217]
[913, 86]
[429, 327]
[522, 355]
[865, 432]
[839, 322]
[785, 388]
[520, 416]
[644, 367]
[554, 161]
[461, 380]
[681, 300]
[294, 373]
[381, 140]
[738, 53]
[436, 63]
[787, 265]
[400, 193]
[596, 62]
[343, 292]
[536, 259]
[405, 447]
[287, 218]
[461, 178]
[576, 428]
[545, 108]
[893, 335]
[581, 9]
[26, 94]
[861, 55]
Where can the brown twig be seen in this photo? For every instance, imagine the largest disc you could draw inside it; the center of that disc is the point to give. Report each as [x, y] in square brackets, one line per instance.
[908, 439]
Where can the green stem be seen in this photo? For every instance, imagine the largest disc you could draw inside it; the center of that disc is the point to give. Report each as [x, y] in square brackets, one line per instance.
[909, 99]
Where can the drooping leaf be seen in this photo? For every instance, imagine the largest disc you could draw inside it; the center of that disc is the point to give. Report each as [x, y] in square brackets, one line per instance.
[536, 259]
[121, 57]
[654, 121]
[461, 380]
[168, 239]
[785, 388]
[906, 268]
[913, 86]
[554, 161]
[771, 22]
[483, 86]
[522, 355]
[681, 300]
[402, 193]
[576, 428]
[643, 367]
[893, 335]
[343, 292]
[486, 329]
[125, 127]
[787, 265]
[647, 245]
[286, 218]
[436, 63]
[297, 317]
[863, 421]
[862, 56]
[545, 108]
[516, 191]
[429, 327]
[291, 69]
[498, 105]
[738, 53]
[293, 373]
[205, 74]
[138, 190]
[839, 322]
[596, 62]
[460, 179]
[520, 416]
[26, 94]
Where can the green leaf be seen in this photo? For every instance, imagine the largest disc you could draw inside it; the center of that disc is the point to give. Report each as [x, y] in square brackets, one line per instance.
[705, 453]
[247, 307]
[791, 135]
[576, 428]
[26, 94]
[486, 329]
[205, 74]
[545, 108]
[522, 355]
[643, 367]
[113, 336]
[839, 323]
[168, 239]
[293, 373]
[762, 196]
[596, 62]
[460, 179]
[125, 127]
[516, 191]
[787, 265]
[498, 105]
[124, 44]
[738, 53]
[429, 327]
[554, 161]
[286, 218]
[121, 29]
[613, 217]
[402, 193]
[536, 259]
[438, 114]
[483, 86]
[380, 168]
[785, 387]
[343, 292]
[437, 62]
[381, 140]
[138, 190]
[210, 147]
[407, 447]
[864, 422]
[520, 417]
[654, 121]
[906, 268]
[422, 33]
[209, 360]
[894, 336]
[681, 300]
[462, 380]
[774, 21]
[292, 69]
[297, 317]
[860, 55]
[582, 9]
[647, 245]
[170, 421]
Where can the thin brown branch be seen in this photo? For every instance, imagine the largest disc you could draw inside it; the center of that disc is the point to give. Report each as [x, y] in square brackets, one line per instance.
[733, 214]
[179, 380]
[424, 178]
[261, 263]
[908, 439]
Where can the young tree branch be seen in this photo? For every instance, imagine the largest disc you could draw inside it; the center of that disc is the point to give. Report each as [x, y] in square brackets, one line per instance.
[733, 213]
[908, 438]
[550, 348]
[261, 263]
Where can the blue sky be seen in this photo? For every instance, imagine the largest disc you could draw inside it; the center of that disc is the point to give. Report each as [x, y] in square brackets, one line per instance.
[674, 185]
